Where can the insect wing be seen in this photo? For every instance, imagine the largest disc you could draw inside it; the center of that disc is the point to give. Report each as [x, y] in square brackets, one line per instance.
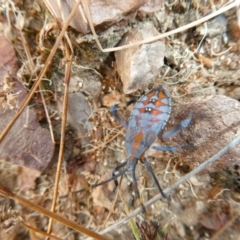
[148, 118]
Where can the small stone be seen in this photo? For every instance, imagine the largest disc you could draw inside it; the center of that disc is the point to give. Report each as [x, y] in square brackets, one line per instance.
[78, 114]
[112, 11]
[215, 124]
[139, 66]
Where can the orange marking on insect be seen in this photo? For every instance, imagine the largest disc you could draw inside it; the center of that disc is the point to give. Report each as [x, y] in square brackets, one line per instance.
[159, 103]
[142, 110]
[145, 102]
[161, 95]
[138, 137]
[137, 142]
[155, 112]
[150, 94]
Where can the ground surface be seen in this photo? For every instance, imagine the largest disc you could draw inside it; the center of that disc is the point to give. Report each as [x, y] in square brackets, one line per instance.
[199, 65]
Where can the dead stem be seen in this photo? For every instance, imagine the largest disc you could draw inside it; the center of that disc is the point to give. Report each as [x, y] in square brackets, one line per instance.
[42, 73]
[69, 57]
[47, 115]
[38, 231]
[152, 39]
[7, 193]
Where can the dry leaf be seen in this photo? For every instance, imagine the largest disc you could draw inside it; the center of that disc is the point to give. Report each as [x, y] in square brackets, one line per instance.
[27, 143]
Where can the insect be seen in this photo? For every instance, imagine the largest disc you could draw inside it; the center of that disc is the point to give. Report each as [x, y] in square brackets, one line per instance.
[147, 120]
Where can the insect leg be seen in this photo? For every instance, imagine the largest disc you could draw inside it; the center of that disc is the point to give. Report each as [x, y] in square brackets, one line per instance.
[115, 170]
[134, 181]
[114, 112]
[182, 125]
[98, 184]
[171, 149]
[149, 168]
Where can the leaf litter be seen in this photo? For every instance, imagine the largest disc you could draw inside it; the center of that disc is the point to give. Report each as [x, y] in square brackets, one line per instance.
[198, 65]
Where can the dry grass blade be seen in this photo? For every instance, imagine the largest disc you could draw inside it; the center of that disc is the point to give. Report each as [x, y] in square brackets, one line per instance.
[38, 231]
[169, 190]
[47, 115]
[152, 39]
[69, 57]
[38, 80]
[7, 193]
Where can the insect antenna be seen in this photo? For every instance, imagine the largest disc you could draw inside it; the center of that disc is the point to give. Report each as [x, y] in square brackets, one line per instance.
[97, 184]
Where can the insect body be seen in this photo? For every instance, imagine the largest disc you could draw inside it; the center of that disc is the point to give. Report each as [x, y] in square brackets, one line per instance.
[147, 120]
